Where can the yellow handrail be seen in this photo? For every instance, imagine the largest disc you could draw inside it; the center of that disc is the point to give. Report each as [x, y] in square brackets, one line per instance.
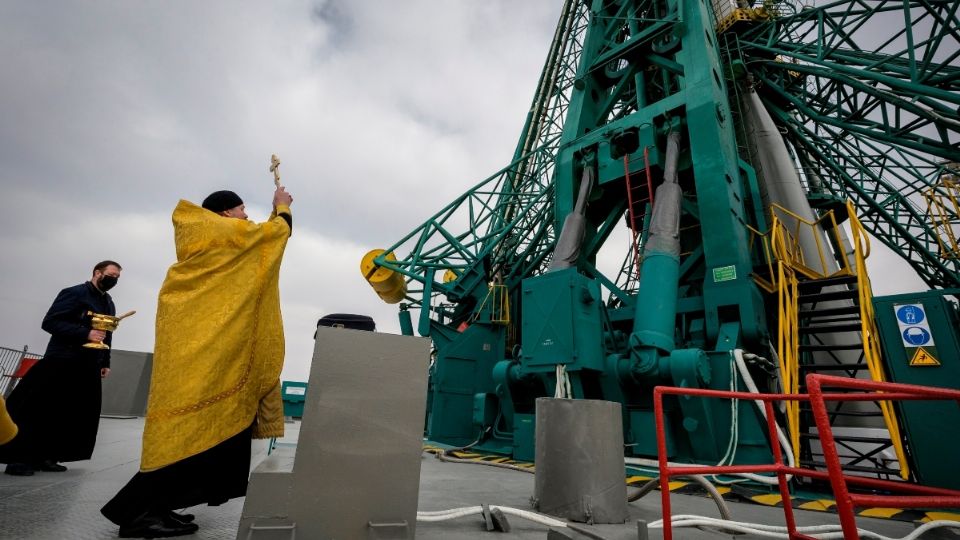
[871, 335]
[940, 199]
[768, 285]
[788, 324]
[785, 250]
[499, 299]
[795, 256]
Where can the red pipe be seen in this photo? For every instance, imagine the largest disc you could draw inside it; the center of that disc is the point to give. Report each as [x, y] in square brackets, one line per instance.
[633, 218]
[923, 496]
[646, 165]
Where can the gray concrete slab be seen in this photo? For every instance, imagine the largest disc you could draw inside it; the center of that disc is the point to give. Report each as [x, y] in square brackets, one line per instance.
[125, 389]
[356, 468]
[57, 506]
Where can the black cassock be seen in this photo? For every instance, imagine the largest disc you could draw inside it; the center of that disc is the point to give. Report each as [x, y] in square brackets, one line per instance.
[210, 477]
[57, 404]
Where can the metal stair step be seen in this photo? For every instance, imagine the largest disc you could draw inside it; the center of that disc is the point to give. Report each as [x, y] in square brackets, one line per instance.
[829, 312]
[834, 367]
[824, 329]
[832, 320]
[828, 296]
[817, 284]
[849, 438]
[852, 468]
[856, 414]
[821, 347]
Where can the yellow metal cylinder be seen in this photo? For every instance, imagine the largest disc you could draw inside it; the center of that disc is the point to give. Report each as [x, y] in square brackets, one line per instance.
[388, 284]
[393, 296]
[8, 430]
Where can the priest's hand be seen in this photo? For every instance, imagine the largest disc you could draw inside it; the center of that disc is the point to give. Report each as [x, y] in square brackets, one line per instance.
[281, 197]
[104, 372]
[96, 335]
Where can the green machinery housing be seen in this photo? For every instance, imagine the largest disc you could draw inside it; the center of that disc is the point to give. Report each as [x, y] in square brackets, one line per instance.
[639, 148]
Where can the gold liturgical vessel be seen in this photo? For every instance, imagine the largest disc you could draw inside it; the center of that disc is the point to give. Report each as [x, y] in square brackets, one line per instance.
[107, 323]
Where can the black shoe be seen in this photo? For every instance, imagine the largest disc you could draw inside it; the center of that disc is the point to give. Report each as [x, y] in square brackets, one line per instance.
[184, 518]
[172, 518]
[19, 469]
[49, 466]
[150, 527]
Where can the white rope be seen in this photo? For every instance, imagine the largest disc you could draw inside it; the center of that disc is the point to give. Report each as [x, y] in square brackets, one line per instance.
[731, 453]
[531, 516]
[563, 389]
[752, 386]
[822, 532]
[455, 513]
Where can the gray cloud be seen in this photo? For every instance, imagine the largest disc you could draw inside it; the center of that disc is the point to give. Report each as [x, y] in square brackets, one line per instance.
[112, 111]
[382, 112]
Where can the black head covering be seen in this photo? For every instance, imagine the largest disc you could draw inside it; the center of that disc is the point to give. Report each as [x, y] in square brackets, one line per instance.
[218, 201]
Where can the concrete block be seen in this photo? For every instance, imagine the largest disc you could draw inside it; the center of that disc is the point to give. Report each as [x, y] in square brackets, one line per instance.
[125, 389]
[356, 470]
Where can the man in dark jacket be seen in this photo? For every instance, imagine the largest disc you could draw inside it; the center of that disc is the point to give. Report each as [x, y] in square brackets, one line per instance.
[57, 404]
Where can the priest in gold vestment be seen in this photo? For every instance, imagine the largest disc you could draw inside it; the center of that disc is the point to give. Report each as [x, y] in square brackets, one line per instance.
[216, 367]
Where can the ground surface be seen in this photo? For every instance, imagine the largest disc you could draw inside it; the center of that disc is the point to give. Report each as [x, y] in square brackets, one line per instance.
[55, 506]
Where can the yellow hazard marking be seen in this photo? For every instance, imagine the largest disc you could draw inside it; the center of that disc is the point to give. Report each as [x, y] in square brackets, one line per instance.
[880, 512]
[821, 505]
[632, 479]
[771, 499]
[677, 485]
[933, 516]
[923, 358]
[723, 490]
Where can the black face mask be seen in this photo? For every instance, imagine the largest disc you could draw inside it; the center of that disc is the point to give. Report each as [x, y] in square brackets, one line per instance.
[106, 283]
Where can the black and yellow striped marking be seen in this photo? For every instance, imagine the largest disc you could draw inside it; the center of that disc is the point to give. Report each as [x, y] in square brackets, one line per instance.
[473, 456]
[736, 493]
[829, 505]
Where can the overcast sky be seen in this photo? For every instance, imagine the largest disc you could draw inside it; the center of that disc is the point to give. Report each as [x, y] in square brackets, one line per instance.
[381, 112]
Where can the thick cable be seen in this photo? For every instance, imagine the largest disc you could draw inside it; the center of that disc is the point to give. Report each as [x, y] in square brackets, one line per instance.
[444, 457]
[781, 437]
[752, 386]
[731, 453]
[822, 532]
[455, 513]
[649, 486]
[654, 463]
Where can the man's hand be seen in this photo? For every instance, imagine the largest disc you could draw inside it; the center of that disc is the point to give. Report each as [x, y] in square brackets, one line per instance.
[281, 197]
[104, 371]
[96, 335]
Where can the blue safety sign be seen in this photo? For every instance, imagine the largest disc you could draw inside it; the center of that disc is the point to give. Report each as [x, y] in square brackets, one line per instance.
[911, 314]
[916, 336]
[914, 325]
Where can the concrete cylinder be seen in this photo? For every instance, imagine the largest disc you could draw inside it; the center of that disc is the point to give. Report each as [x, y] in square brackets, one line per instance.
[579, 460]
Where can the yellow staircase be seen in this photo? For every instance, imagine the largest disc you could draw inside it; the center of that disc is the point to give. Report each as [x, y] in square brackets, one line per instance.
[826, 324]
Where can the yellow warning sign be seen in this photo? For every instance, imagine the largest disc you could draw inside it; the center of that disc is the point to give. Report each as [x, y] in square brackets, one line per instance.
[923, 358]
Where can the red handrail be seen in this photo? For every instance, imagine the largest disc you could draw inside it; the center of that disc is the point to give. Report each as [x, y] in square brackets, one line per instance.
[920, 496]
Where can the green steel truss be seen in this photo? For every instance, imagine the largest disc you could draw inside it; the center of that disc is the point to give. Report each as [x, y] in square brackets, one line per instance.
[503, 227]
[868, 94]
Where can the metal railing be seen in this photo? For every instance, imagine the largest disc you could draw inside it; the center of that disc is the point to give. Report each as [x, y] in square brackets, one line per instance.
[917, 496]
[785, 260]
[871, 334]
[943, 210]
[10, 360]
[790, 236]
